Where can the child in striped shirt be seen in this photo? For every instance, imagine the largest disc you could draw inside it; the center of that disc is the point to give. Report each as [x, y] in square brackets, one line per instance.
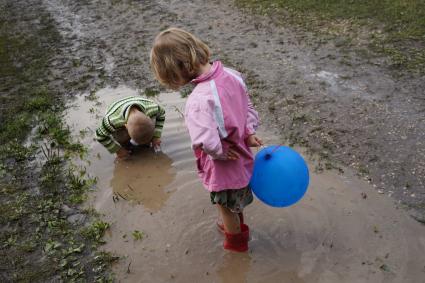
[131, 120]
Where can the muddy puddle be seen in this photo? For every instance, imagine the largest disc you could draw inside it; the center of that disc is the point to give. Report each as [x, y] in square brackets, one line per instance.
[341, 231]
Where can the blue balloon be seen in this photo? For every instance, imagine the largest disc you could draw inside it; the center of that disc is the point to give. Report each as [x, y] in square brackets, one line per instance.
[280, 176]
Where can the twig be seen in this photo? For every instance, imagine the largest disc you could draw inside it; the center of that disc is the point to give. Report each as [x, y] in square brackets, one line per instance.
[120, 195]
[45, 154]
[128, 268]
[178, 110]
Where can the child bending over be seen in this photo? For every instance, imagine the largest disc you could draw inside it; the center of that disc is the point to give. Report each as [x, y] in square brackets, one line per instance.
[131, 121]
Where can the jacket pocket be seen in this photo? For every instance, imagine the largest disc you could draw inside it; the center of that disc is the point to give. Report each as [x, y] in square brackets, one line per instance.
[199, 165]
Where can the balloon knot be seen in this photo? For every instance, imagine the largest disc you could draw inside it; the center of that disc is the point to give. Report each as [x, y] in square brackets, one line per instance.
[268, 156]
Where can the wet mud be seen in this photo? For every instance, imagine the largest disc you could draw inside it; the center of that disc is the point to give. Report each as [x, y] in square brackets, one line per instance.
[341, 231]
[348, 110]
[340, 101]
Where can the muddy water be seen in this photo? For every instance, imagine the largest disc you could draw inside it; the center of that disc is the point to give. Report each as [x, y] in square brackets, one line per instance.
[342, 231]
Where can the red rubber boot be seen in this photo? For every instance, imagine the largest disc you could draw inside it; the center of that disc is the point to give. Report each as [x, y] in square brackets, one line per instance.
[236, 242]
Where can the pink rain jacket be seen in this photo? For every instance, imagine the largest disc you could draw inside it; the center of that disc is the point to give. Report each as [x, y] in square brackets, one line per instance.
[220, 115]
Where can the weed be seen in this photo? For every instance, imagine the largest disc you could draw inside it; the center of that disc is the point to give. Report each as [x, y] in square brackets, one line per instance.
[363, 170]
[151, 92]
[137, 235]
[345, 77]
[76, 63]
[50, 152]
[40, 103]
[96, 231]
[185, 91]
[92, 96]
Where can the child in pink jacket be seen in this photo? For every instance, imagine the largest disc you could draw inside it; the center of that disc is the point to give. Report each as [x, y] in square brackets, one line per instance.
[221, 122]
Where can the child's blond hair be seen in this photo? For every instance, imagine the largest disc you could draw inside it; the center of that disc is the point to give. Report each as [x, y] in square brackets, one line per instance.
[177, 56]
[140, 127]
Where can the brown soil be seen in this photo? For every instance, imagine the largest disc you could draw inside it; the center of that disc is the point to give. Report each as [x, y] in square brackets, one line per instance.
[346, 109]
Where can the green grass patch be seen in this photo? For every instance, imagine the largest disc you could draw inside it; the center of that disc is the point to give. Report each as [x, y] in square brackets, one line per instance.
[137, 235]
[38, 241]
[96, 231]
[394, 27]
[151, 92]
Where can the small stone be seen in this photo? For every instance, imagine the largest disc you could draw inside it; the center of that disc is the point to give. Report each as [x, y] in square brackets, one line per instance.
[375, 229]
[384, 267]
[68, 210]
[76, 218]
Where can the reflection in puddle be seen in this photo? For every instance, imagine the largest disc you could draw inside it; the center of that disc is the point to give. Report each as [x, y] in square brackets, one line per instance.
[143, 178]
[234, 268]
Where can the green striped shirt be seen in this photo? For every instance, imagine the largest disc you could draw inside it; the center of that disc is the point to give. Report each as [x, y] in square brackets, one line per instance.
[117, 115]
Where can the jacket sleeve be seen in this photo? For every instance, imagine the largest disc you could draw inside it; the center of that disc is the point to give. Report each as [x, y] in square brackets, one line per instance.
[159, 124]
[156, 111]
[203, 131]
[103, 135]
[252, 119]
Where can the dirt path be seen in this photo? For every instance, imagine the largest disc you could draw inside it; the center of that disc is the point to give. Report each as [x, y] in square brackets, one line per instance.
[346, 108]
[349, 111]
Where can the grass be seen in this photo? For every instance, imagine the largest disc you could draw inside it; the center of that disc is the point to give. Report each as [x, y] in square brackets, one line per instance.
[137, 235]
[395, 28]
[37, 241]
[96, 231]
[151, 92]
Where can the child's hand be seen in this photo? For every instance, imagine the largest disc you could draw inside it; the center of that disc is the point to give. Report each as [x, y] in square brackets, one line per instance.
[156, 142]
[232, 154]
[123, 153]
[253, 140]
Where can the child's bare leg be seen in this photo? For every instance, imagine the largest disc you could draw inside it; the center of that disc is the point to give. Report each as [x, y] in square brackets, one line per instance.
[220, 219]
[230, 220]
